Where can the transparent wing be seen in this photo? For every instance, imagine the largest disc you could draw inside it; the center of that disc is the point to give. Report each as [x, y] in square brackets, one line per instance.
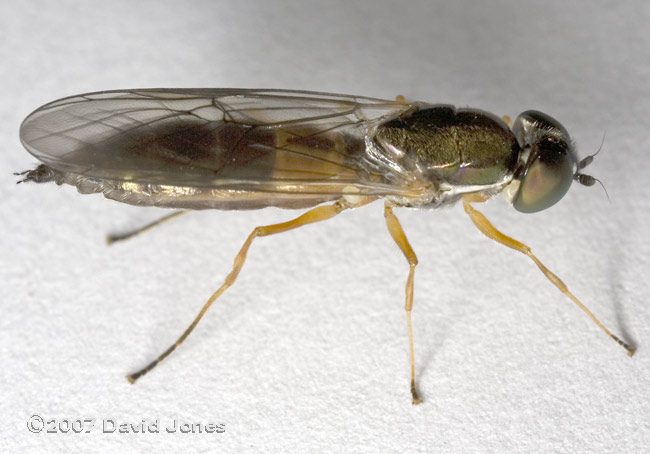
[262, 141]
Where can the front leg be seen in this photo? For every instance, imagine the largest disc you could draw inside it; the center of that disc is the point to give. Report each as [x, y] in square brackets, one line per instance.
[486, 227]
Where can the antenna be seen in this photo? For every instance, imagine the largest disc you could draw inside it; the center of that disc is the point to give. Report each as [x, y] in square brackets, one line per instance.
[588, 180]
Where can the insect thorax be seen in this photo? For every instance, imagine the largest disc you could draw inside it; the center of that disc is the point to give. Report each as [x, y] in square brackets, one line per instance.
[457, 150]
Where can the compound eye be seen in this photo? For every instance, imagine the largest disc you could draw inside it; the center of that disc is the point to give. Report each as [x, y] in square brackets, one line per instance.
[551, 164]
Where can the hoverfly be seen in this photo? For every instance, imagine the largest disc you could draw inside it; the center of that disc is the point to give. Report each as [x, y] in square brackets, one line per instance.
[239, 149]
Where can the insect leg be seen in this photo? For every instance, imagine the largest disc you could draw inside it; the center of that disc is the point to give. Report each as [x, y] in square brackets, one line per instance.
[491, 232]
[400, 239]
[320, 213]
[110, 239]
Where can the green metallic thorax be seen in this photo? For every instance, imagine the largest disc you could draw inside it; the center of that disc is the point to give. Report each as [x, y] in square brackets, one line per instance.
[448, 145]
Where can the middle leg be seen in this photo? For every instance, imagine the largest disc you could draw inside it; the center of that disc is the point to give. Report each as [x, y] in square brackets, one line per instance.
[396, 231]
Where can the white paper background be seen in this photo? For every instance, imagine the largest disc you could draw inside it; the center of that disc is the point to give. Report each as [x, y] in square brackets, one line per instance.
[308, 351]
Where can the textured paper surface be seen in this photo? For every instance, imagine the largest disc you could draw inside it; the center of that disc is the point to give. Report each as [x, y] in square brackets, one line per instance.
[308, 351]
